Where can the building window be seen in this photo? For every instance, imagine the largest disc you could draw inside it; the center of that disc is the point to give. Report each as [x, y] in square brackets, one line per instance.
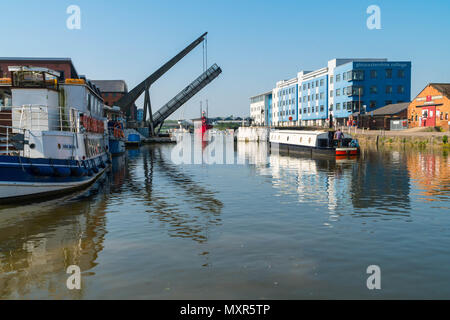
[389, 73]
[400, 89]
[304, 110]
[344, 90]
[358, 91]
[338, 77]
[309, 85]
[344, 76]
[331, 107]
[373, 89]
[312, 109]
[389, 89]
[358, 75]
[401, 73]
[321, 82]
[446, 116]
[331, 93]
[338, 92]
[331, 79]
[321, 96]
[304, 86]
[373, 104]
[373, 74]
[317, 96]
[322, 109]
[317, 83]
[338, 106]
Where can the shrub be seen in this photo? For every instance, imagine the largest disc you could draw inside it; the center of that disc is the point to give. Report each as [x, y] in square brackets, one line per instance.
[445, 139]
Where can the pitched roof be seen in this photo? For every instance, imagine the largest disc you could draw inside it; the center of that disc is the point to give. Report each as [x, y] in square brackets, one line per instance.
[111, 85]
[442, 87]
[391, 109]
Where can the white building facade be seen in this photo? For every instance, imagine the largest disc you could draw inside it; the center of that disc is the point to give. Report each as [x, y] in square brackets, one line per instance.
[259, 108]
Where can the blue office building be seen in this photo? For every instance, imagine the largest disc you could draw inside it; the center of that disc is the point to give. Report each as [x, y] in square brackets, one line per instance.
[313, 96]
[344, 88]
[285, 103]
[363, 85]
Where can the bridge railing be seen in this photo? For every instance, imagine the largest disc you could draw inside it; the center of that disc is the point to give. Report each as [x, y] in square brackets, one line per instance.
[195, 86]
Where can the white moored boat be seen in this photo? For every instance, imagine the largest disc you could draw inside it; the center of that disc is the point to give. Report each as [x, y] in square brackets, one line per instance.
[53, 137]
[313, 143]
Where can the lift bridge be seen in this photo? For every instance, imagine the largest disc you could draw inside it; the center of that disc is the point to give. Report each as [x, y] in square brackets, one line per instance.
[157, 118]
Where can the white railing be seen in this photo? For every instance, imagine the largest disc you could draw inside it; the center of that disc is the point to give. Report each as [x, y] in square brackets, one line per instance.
[10, 135]
[45, 118]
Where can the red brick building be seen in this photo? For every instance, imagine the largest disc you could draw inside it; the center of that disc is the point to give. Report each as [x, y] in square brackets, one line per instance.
[431, 107]
[62, 65]
[112, 91]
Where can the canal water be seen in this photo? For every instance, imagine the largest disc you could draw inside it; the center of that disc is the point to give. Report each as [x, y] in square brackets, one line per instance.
[266, 227]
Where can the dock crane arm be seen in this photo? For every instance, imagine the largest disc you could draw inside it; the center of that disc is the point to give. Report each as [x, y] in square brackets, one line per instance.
[130, 98]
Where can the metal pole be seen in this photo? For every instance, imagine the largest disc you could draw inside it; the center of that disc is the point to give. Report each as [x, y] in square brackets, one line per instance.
[359, 104]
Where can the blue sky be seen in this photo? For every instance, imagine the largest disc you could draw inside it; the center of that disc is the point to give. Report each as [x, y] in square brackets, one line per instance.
[255, 42]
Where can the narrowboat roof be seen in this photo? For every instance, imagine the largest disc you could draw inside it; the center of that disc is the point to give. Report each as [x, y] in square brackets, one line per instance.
[300, 132]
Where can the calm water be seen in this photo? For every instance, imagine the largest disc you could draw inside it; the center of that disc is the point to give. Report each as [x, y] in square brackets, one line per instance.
[285, 228]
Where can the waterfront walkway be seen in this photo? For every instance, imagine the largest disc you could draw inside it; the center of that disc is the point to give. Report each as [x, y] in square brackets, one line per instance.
[412, 132]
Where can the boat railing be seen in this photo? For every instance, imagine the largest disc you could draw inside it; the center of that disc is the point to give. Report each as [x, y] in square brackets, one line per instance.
[12, 140]
[40, 118]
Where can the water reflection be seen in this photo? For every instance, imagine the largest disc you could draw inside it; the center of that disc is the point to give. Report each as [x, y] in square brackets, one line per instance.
[39, 242]
[380, 184]
[192, 224]
[430, 172]
[375, 184]
[254, 224]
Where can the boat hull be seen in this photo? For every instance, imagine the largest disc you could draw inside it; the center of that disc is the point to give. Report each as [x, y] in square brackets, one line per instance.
[315, 151]
[116, 146]
[29, 178]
